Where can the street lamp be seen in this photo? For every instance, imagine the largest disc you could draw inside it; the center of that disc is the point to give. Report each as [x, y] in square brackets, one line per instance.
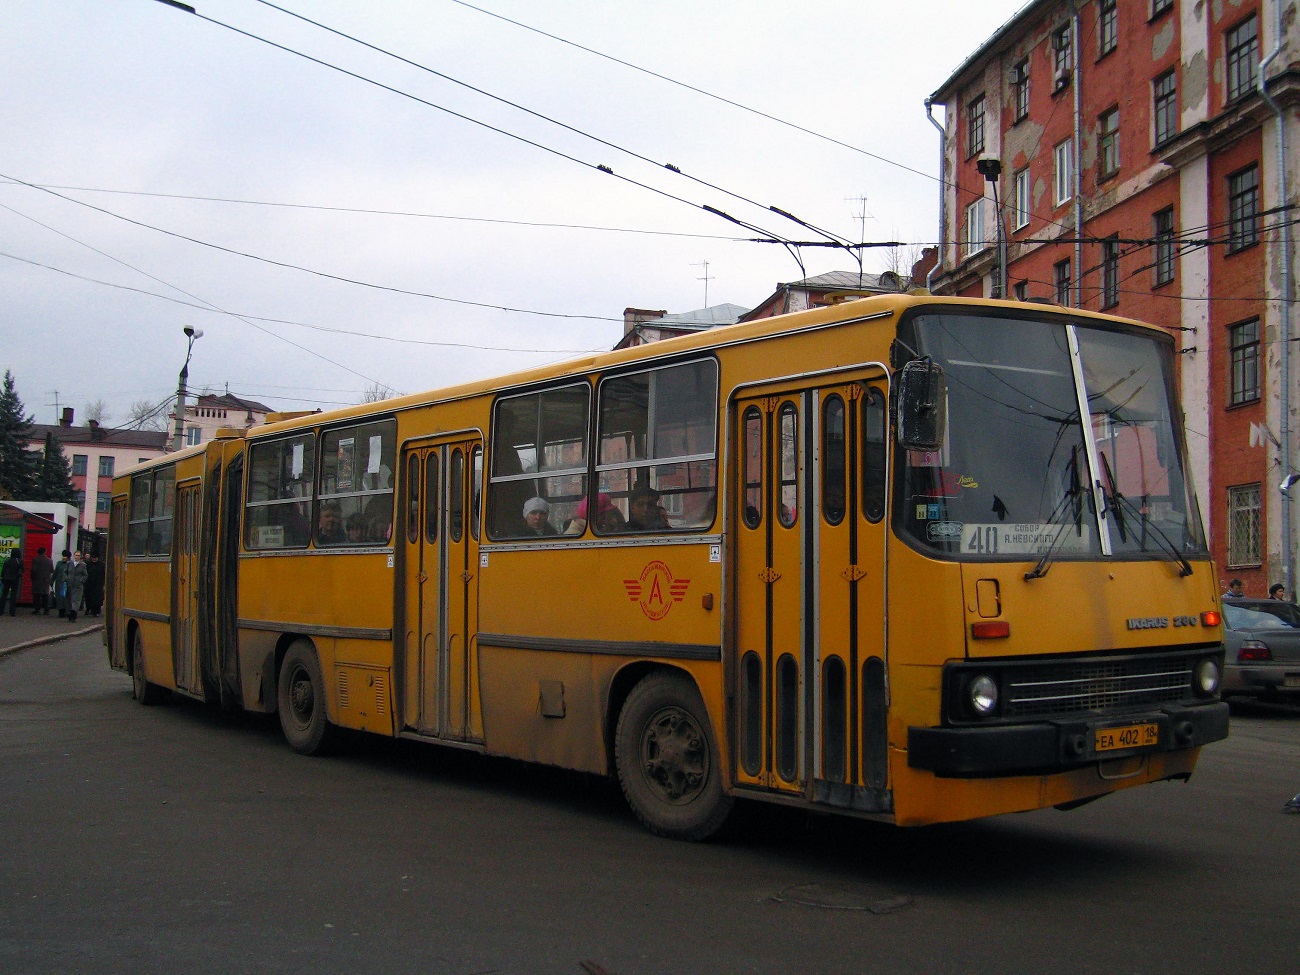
[991, 168]
[178, 431]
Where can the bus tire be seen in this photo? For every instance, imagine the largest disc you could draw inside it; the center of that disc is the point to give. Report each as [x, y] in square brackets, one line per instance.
[142, 692]
[300, 699]
[667, 760]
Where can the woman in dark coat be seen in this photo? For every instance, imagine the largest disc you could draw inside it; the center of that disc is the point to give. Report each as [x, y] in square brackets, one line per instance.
[94, 585]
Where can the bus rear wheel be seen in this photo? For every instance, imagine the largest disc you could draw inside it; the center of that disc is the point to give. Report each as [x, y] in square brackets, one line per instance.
[300, 699]
[668, 763]
[142, 691]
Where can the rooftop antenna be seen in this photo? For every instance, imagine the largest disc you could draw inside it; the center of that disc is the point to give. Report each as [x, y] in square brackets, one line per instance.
[57, 415]
[861, 216]
[705, 279]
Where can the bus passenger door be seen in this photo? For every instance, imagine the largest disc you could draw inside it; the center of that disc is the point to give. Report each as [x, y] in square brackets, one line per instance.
[441, 573]
[771, 642]
[185, 583]
[848, 606]
[809, 592]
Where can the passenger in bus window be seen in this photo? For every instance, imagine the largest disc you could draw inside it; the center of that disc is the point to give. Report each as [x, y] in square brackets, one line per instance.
[537, 513]
[646, 514]
[357, 529]
[609, 520]
[329, 525]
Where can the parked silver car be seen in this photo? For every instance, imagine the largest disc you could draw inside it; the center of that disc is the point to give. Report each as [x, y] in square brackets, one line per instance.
[1262, 640]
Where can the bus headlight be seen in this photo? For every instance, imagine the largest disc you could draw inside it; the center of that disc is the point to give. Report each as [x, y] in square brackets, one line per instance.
[1205, 679]
[982, 695]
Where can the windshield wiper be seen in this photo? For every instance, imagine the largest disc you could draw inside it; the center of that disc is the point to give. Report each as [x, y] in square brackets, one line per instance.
[1073, 497]
[1163, 540]
[1116, 502]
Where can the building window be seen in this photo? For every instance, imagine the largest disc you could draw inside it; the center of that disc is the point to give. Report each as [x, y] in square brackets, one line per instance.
[1243, 208]
[79, 499]
[1243, 58]
[193, 436]
[79, 465]
[1159, 7]
[106, 466]
[973, 241]
[975, 130]
[1108, 143]
[1062, 56]
[1021, 200]
[1021, 290]
[103, 501]
[1110, 272]
[1164, 235]
[1064, 171]
[1061, 281]
[1165, 106]
[1243, 377]
[1107, 27]
[1020, 82]
[1243, 525]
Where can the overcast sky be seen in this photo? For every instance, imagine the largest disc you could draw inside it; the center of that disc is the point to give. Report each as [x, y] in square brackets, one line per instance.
[159, 170]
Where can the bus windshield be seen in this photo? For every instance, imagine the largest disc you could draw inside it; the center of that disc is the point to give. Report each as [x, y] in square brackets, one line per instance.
[1019, 475]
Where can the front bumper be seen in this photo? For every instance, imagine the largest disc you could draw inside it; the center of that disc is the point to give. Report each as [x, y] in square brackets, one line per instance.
[1044, 747]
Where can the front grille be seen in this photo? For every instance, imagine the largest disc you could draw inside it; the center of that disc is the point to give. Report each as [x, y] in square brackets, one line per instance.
[1084, 687]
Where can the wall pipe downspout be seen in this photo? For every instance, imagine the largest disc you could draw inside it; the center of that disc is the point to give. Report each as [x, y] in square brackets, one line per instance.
[1076, 152]
[943, 195]
[1283, 194]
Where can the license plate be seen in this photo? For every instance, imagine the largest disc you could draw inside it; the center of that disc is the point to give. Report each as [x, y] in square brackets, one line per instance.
[1291, 680]
[1127, 736]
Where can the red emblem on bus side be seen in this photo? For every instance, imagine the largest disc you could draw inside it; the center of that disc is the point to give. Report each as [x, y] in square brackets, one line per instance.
[656, 591]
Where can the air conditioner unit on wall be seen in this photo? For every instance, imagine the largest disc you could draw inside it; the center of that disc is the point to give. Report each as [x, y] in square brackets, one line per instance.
[1062, 79]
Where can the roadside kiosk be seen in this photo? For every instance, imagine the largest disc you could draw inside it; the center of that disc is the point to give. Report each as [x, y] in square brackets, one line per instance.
[26, 532]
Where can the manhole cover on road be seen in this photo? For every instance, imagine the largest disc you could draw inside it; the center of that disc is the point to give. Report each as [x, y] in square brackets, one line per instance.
[834, 897]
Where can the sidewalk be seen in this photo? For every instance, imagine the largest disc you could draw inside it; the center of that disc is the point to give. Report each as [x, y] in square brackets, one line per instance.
[25, 630]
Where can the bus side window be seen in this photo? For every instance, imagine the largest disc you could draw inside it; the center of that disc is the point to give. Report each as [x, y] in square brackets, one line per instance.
[413, 499]
[431, 497]
[788, 465]
[873, 455]
[833, 460]
[538, 450]
[753, 446]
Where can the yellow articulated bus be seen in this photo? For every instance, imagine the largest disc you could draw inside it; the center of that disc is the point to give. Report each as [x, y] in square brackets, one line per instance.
[910, 558]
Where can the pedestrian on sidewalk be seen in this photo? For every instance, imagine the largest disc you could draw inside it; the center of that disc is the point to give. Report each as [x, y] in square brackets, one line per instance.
[11, 581]
[42, 573]
[77, 573]
[61, 583]
[94, 585]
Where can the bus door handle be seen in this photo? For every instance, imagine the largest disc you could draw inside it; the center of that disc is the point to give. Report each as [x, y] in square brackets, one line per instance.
[424, 577]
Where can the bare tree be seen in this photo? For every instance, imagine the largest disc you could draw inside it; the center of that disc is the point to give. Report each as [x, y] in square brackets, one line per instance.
[97, 410]
[375, 392]
[144, 415]
[900, 260]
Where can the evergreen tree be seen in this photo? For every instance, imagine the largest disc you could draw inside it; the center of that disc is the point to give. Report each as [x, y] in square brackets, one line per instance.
[56, 473]
[19, 467]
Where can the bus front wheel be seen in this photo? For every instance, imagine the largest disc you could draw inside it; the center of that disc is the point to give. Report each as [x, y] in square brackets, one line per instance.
[668, 763]
[300, 699]
[141, 690]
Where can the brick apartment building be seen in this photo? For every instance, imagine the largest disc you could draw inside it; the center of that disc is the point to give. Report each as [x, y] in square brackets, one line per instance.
[1135, 148]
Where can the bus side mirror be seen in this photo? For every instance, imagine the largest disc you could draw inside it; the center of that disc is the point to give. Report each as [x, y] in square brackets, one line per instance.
[922, 405]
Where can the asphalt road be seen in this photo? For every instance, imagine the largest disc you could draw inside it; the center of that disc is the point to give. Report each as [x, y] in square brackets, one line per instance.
[173, 839]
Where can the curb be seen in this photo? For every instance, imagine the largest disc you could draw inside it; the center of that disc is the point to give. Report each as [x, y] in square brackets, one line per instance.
[5, 651]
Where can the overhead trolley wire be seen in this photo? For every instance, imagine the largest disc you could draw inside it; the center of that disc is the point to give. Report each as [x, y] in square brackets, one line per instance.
[601, 167]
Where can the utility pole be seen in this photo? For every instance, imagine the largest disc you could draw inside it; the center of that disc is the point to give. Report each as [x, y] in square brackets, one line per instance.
[178, 429]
